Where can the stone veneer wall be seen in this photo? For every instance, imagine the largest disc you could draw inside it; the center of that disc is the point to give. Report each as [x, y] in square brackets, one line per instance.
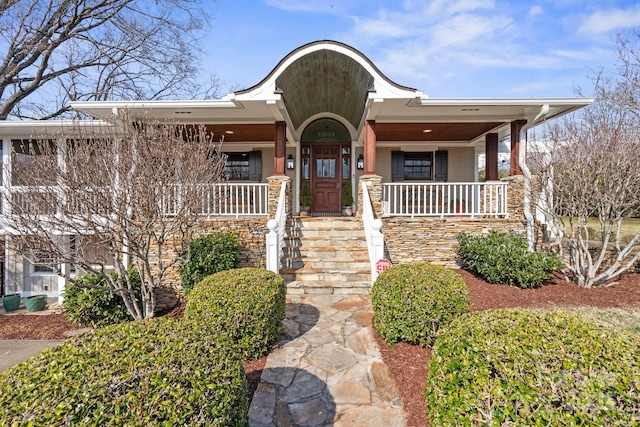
[434, 240]
[251, 232]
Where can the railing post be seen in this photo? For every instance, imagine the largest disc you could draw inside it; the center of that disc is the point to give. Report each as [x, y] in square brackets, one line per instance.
[377, 245]
[273, 257]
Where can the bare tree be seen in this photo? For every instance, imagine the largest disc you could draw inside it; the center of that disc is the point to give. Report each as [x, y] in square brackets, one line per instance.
[129, 193]
[79, 50]
[590, 168]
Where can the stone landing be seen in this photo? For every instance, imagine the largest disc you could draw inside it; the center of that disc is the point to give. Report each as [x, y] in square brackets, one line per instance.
[326, 369]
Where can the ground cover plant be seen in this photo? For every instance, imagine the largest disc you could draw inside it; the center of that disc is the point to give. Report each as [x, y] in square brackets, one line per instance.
[533, 367]
[503, 258]
[207, 255]
[155, 372]
[247, 305]
[411, 302]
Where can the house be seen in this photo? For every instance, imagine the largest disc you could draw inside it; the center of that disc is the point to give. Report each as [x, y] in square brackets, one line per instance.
[327, 117]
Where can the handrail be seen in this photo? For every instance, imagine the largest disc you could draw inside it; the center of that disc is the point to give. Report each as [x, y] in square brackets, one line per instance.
[474, 199]
[275, 236]
[372, 227]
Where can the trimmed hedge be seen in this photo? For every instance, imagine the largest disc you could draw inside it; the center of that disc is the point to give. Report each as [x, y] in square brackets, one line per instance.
[523, 367]
[157, 372]
[208, 255]
[411, 302]
[503, 258]
[96, 307]
[247, 305]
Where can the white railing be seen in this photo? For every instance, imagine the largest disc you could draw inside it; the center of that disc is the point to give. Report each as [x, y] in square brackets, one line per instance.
[275, 236]
[474, 199]
[220, 199]
[372, 227]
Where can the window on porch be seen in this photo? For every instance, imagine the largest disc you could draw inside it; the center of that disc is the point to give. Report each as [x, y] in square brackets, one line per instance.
[419, 166]
[244, 166]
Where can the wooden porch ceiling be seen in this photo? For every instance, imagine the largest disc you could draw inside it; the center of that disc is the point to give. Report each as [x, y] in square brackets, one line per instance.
[438, 131]
[244, 132]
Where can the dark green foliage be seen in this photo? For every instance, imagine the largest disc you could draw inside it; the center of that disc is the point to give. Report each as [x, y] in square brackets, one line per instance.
[207, 255]
[97, 307]
[503, 258]
[346, 197]
[522, 367]
[411, 302]
[247, 305]
[305, 194]
[155, 372]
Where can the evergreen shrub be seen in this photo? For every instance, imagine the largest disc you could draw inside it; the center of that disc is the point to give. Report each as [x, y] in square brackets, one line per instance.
[247, 305]
[207, 255]
[97, 307]
[503, 258]
[411, 302]
[162, 371]
[522, 367]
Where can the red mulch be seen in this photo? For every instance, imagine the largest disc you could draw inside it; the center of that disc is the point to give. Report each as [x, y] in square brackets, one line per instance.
[407, 363]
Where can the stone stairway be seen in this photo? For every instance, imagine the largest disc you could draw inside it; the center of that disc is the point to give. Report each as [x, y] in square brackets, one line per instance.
[326, 256]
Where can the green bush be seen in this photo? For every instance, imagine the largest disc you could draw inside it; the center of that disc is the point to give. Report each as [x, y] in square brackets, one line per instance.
[522, 367]
[247, 305]
[96, 307]
[411, 302]
[207, 255]
[156, 372]
[503, 258]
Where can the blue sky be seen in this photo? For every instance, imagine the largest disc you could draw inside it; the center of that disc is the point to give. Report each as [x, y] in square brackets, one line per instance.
[446, 48]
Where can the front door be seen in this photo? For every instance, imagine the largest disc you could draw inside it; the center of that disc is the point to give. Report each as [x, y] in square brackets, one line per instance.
[326, 178]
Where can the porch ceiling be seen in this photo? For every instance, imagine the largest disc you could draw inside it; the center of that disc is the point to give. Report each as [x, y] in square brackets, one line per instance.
[244, 132]
[325, 81]
[438, 132]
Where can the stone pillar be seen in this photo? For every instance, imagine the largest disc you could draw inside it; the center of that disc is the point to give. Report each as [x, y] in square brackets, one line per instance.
[491, 157]
[370, 147]
[275, 182]
[515, 194]
[374, 184]
[516, 127]
[281, 148]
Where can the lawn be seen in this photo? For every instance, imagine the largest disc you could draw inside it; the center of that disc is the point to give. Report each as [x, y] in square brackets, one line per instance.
[630, 226]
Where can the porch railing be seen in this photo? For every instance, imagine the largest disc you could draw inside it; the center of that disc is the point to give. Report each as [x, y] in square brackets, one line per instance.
[221, 199]
[372, 227]
[471, 199]
[275, 236]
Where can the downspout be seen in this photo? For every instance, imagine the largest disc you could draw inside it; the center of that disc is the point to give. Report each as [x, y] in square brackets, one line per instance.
[526, 173]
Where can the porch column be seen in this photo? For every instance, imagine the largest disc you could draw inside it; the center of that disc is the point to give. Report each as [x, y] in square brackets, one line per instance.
[370, 147]
[281, 148]
[491, 157]
[516, 126]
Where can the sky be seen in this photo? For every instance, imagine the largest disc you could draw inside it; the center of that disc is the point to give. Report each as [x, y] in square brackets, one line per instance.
[446, 48]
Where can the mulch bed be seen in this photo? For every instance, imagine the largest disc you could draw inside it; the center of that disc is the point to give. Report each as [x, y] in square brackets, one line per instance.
[408, 364]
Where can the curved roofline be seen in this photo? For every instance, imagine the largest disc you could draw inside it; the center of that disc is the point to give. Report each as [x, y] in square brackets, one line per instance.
[330, 44]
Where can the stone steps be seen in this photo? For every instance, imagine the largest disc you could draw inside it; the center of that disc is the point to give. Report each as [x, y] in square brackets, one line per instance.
[326, 256]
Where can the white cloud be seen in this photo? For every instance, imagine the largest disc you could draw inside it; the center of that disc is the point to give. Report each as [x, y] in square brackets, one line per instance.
[314, 6]
[603, 21]
[535, 11]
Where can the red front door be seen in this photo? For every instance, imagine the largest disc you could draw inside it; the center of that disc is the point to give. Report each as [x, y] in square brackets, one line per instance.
[326, 178]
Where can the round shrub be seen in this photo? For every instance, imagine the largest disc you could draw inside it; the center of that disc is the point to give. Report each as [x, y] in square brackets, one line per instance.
[523, 367]
[504, 258]
[97, 307]
[156, 372]
[207, 255]
[411, 302]
[247, 305]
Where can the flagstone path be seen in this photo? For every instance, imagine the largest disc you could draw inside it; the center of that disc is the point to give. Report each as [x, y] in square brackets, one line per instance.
[327, 369]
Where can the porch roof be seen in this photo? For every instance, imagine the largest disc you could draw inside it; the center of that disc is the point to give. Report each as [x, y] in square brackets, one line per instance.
[331, 79]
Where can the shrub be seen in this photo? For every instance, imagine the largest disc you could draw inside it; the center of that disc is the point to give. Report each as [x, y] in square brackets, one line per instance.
[96, 307]
[155, 372]
[207, 255]
[411, 302]
[503, 258]
[523, 367]
[247, 305]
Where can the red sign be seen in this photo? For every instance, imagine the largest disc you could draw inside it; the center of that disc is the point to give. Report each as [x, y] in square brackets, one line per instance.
[382, 265]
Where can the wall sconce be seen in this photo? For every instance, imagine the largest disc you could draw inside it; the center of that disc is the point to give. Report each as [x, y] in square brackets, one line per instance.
[360, 163]
[290, 162]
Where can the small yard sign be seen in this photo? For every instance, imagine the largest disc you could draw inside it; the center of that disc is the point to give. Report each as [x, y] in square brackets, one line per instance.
[382, 265]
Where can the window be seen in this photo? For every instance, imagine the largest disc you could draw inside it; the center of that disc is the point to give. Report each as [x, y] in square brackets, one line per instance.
[418, 166]
[243, 166]
[44, 260]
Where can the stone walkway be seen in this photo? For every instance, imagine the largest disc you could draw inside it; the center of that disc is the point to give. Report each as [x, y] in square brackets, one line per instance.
[327, 369]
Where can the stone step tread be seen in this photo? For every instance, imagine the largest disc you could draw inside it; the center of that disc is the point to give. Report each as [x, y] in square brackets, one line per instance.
[319, 284]
[289, 270]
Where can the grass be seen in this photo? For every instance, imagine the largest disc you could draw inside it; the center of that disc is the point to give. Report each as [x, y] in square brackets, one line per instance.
[630, 226]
